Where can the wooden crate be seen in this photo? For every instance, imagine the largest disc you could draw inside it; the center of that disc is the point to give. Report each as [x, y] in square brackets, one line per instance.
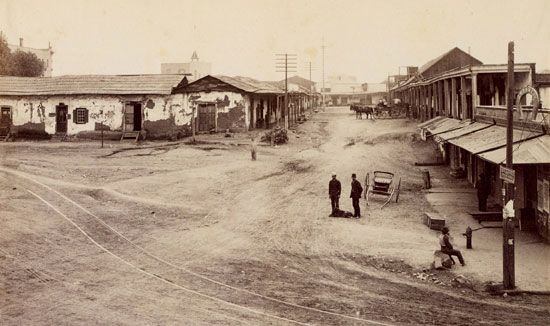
[434, 221]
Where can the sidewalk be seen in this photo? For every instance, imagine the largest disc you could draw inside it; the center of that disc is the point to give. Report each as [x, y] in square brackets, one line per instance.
[452, 199]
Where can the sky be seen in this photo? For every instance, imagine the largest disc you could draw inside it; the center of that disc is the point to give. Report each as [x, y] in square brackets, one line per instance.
[363, 38]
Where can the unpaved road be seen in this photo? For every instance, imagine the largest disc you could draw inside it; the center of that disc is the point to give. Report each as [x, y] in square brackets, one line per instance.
[190, 235]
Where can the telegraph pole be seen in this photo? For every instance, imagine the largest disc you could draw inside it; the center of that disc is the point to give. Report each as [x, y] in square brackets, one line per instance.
[388, 88]
[323, 90]
[310, 89]
[309, 67]
[286, 63]
[508, 226]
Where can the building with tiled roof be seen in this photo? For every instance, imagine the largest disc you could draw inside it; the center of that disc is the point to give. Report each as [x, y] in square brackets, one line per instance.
[84, 105]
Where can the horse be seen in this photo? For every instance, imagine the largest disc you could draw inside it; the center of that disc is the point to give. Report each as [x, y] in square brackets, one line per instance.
[360, 109]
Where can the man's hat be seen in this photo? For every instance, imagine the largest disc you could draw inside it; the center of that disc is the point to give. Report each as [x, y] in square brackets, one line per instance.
[353, 175]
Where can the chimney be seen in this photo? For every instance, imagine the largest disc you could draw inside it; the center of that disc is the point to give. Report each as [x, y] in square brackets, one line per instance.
[21, 42]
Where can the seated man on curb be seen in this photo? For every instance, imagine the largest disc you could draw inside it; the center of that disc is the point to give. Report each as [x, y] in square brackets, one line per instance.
[447, 247]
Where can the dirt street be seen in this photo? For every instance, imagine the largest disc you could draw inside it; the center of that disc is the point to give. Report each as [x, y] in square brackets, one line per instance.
[180, 234]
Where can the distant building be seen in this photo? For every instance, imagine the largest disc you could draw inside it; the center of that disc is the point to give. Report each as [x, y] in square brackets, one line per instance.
[43, 54]
[342, 90]
[304, 83]
[374, 93]
[302, 95]
[343, 84]
[195, 69]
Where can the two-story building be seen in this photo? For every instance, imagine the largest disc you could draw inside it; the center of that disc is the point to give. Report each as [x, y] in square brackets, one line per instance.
[462, 106]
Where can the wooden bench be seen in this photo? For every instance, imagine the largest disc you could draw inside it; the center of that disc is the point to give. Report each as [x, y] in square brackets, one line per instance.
[487, 216]
[434, 221]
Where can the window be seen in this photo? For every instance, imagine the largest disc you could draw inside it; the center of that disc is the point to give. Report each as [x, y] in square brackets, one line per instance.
[5, 116]
[80, 116]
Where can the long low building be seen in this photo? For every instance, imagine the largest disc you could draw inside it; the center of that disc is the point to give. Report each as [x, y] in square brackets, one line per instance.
[152, 106]
[84, 105]
[461, 105]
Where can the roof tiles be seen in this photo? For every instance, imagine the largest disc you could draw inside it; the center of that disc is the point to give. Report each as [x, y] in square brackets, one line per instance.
[89, 84]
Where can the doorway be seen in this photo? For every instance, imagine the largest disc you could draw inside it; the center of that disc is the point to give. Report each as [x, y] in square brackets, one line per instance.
[5, 120]
[132, 117]
[528, 221]
[61, 112]
[207, 117]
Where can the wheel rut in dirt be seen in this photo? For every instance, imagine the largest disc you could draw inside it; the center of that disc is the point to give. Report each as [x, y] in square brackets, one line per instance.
[119, 246]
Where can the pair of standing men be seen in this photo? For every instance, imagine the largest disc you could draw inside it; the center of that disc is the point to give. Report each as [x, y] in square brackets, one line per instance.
[335, 188]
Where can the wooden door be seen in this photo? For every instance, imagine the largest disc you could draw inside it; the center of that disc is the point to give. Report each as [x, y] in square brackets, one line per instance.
[129, 117]
[61, 112]
[5, 121]
[207, 117]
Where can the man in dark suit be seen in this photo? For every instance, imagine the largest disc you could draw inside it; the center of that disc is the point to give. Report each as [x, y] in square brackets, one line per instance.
[356, 190]
[334, 189]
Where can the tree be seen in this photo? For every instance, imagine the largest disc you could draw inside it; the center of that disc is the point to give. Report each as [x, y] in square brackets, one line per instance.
[5, 56]
[26, 64]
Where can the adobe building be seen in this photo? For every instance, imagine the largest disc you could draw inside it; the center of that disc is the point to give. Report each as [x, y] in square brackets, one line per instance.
[84, 105]
[234, 103]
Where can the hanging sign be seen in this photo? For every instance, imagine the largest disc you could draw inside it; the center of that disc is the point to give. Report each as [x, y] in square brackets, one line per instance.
[508, 175]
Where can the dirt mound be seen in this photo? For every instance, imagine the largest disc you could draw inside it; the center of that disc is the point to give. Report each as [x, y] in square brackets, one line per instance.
[401, 136]
[298, 166]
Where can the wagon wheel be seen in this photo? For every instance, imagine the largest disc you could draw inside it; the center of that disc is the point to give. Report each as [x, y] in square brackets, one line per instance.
[398, 189]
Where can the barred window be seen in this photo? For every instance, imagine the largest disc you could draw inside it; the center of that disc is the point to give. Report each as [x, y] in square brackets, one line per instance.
[80, 116]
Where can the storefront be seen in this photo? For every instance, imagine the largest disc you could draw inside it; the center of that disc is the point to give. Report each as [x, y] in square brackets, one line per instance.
[531, 160]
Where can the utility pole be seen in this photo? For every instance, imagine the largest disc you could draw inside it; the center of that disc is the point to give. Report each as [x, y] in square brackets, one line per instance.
[193, 123]
[309, 69]
[323, 89]
[508, 227]
[310, 89]
[388, 88]
[286, 63]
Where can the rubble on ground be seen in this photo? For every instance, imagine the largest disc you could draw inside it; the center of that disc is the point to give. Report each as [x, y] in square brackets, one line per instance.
[278, 134]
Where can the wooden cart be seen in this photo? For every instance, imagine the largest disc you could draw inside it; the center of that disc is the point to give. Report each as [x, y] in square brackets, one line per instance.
[383, 184]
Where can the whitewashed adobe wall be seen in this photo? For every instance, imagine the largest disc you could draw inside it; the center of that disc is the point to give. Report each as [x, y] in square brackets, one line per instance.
[161, 113]
[232, 109]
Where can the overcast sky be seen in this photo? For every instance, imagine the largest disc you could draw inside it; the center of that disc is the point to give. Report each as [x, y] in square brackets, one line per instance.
[368, 39]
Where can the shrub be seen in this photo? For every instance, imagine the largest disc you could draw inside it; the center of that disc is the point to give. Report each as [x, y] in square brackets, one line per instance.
[278, 134]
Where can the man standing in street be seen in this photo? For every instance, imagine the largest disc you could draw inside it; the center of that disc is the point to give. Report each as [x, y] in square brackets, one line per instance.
[334, 189]
[356, 190]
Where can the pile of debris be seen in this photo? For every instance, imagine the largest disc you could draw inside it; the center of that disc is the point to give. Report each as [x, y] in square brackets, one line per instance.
[425, 276]
[276, 136]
